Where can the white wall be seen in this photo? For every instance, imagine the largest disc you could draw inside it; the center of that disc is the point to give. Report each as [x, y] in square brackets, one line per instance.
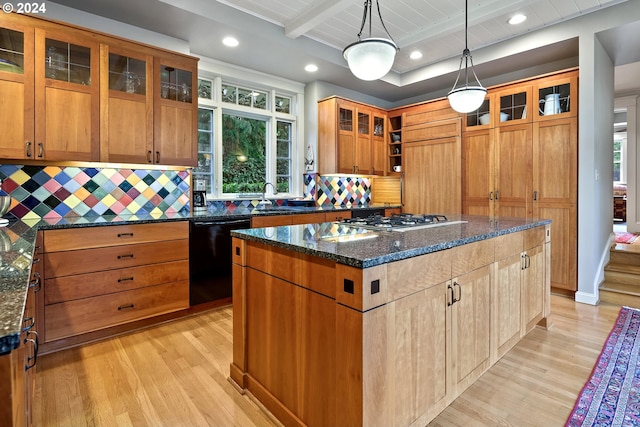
[595, 159]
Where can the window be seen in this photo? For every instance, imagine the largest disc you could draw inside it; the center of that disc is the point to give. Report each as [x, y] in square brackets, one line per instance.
[244, 157]
[247, 137]
[204, 170]
[619, 151]
[283, 157]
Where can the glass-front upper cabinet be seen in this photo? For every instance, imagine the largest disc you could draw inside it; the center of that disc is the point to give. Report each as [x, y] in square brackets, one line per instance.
[346, 119]
[556, 96]
[363, 123]
[12, 51]
[17, 86]
[127, 74]
[67, 62]
[378, 126]
[175, 84]
[480, 117]
[513, 103]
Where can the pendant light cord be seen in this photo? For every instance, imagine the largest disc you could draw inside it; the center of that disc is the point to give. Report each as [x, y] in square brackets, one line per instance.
[368, 7]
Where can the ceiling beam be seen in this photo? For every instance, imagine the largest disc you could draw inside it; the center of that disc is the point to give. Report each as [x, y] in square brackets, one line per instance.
[315, 16]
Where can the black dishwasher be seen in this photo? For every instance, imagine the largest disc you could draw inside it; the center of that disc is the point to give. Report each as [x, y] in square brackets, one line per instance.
[210, 258]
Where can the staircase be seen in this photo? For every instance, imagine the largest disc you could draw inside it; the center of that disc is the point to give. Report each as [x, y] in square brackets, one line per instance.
[621, 285]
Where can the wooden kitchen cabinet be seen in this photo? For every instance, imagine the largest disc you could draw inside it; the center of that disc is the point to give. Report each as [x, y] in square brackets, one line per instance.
[17, 368]
[175, 111]
[350, 138]
[527, 167]
[410, 336]
[555, 194]
[54, 113]
[99, 277]
[126, 85]
[79, 95]
[432, 176]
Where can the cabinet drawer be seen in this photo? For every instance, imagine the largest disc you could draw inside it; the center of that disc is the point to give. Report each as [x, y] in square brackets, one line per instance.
[80, 316]
[58, 264]
[69, 288]
[337, 216]
[113, 235]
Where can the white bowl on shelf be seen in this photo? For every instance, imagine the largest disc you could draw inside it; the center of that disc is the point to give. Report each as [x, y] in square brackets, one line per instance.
[485, 119]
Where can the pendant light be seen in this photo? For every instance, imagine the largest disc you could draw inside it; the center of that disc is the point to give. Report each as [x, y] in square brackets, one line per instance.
[371, 58]
[465, 99]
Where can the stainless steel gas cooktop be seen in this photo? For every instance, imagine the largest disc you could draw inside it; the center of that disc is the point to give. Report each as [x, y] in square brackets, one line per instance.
[399, 222]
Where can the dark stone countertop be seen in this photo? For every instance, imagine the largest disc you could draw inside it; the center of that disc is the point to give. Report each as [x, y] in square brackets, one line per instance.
[17, 242]
[362, 248]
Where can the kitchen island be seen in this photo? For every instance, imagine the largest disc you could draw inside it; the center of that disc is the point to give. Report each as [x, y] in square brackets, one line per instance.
[339, 325]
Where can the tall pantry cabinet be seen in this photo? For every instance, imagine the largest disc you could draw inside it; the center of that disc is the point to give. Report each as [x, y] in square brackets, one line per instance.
[519, 159]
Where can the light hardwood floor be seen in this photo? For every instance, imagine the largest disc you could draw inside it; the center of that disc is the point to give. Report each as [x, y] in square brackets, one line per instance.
[176, 375]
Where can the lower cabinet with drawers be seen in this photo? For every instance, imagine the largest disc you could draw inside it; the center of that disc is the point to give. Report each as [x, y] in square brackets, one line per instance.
[106, 276]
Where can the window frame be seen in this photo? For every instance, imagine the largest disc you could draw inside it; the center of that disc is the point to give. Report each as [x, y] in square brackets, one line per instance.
[272, 117]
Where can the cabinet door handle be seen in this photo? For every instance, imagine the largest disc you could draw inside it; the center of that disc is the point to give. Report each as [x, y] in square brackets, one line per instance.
[149, 156]
[451, 297]
[127, 256]
[125, 234]
[32, 360]
[36, 282]
[491, 195]
[527, 261]
[29, 322]
[40, 150]
[125, 307]
[459, 291]
[125, 279]
[497, 194]
[28, 149]
[157, 157]
[535, 196]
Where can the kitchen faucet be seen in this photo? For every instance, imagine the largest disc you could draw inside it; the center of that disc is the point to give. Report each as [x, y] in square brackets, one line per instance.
[264, 200]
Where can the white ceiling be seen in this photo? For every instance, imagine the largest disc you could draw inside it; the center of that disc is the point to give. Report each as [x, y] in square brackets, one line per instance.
[280, 37]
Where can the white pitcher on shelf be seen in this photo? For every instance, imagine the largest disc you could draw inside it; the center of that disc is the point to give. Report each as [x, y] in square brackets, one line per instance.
[551, 104]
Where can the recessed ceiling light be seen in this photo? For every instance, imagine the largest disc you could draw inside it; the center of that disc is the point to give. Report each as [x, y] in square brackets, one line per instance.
[311, 68]
[416, 54]
[230, 41]
[517, 19]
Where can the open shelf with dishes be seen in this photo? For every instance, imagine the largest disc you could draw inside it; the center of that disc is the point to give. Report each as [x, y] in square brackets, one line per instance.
[395, 144]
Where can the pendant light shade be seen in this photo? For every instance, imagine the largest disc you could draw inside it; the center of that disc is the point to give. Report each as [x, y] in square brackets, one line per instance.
[466, 98]
[370, 58]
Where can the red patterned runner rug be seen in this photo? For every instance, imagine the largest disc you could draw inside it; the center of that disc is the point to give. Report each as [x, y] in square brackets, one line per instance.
[624, 237]
[611, 397]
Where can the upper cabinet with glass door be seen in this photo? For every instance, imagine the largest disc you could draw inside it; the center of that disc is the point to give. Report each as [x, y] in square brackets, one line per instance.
[126, 133]
[513, 105]
[175, 110]
[16, 85]
[67, 92]
[479, 119]
[556, 96]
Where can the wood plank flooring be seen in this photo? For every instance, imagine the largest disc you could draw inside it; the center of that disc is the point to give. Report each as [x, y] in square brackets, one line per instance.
[176, 375]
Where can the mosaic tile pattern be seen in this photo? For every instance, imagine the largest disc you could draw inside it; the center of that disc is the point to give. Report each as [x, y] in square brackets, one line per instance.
[310, 185]
[55, 192]
[334, 190]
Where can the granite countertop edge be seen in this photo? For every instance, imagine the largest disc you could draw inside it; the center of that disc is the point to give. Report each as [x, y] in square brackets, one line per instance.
[388, 257]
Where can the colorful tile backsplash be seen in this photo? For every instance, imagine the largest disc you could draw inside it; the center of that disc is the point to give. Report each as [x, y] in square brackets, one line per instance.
[335, 190]
[53, 192]
[56, 192]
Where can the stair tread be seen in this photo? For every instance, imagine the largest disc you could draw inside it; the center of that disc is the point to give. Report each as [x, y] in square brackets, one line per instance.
[624, 268]
[624, 288]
